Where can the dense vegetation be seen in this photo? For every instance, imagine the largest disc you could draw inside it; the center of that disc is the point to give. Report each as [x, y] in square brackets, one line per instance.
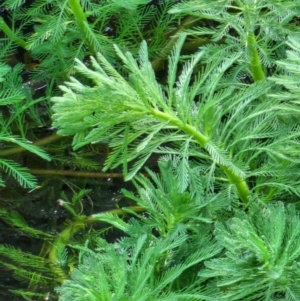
[196, 104]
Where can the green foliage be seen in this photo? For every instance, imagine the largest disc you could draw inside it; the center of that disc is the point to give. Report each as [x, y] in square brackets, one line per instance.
[219, 218]
[129, 274]
[16, 220]
[226, 139]
[254, 29]
[12, 95]
[30, 268]
[65, 30]
[27, 268]
[143, 266]
[261, 255]
[290, 72]
[254, 256]
[237, 128]
[168, 205]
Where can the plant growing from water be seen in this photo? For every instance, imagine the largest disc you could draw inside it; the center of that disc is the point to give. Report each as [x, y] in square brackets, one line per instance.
[46, 38]
[221, 216]
[205, 120]
[204, 124]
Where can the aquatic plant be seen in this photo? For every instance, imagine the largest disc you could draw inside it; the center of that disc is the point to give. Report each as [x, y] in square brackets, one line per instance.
[218, 216]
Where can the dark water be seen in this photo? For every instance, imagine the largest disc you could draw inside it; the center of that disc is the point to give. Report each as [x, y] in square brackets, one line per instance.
[43, 212]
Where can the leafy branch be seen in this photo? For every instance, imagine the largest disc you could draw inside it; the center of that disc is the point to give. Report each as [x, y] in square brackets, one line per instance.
[138, 116]
[14, 97]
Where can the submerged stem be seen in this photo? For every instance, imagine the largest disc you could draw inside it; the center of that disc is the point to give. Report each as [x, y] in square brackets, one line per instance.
[19, 149]
[70, 230]
[74, 173]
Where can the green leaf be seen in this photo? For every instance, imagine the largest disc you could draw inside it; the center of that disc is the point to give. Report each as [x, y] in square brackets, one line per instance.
[27, 145]
[21, 174]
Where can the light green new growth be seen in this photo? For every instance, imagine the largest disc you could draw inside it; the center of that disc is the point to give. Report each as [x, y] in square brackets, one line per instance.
[225, 123]
[142, 101]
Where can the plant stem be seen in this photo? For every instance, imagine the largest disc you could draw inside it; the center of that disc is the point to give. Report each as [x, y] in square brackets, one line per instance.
[17, 150]
[202, 140]
[256, 67]
[5, 28]
[239, 182]
[72, 228]
[82, 23]
[71, 173]
[63, 239]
